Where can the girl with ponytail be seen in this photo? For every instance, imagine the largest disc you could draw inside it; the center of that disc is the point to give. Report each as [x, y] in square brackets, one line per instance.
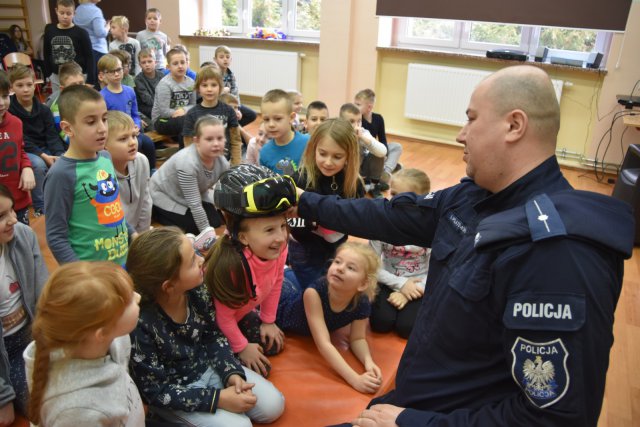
[77, 362]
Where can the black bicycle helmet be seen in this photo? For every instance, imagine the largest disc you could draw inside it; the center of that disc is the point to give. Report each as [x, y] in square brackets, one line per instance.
[254, 191]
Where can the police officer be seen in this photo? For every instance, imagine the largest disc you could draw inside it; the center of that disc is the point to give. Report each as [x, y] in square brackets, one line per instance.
[516, 323]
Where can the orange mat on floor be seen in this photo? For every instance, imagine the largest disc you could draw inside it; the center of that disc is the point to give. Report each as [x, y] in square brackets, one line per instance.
[316, 395]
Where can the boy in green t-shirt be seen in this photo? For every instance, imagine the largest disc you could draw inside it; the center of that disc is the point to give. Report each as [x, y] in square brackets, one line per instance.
[85, 219]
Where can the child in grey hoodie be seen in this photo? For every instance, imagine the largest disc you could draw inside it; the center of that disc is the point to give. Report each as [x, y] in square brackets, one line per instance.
[77, 364]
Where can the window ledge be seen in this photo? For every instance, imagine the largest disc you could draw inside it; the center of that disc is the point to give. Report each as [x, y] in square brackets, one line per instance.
[460, 55]
[257, 42]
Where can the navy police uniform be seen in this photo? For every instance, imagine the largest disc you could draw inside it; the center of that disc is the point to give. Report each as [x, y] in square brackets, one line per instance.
[516, 323]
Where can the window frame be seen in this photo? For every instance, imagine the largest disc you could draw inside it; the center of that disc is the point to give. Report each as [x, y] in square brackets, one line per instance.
[288, 19]
[529, 40]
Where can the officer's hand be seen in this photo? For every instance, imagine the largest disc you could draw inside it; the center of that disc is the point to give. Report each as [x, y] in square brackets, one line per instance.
[378, 416]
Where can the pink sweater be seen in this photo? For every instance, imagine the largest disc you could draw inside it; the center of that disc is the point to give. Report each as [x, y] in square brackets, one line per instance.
[267, 278]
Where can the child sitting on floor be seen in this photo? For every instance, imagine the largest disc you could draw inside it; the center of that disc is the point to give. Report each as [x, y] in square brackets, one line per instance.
[245, 268]
[341, 298]
[404, 268]
[180, 361]
[132, 170]
[77, 363]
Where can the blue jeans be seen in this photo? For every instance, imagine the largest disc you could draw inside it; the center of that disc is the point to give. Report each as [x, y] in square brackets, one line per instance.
[269, 407]
[39, 171]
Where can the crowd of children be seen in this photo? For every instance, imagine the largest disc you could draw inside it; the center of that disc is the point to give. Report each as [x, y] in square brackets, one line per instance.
[202, 330]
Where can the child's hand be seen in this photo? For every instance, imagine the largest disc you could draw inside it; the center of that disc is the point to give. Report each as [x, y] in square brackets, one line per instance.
[271, 334]
[398, 300]
[7, 415]
[144, 124]
[239, 384]
[49, 160]
[226, 90]
[27, 180]
[179, 112]
[373, 369]
[366, 383]
[253, 357]
[411, 290]
[237, 397]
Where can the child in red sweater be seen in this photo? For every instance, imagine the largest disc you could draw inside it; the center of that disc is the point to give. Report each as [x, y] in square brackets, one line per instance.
[15, 167]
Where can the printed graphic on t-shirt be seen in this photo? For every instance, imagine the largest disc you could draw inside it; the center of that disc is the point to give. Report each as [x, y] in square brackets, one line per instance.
[97, 227]
[286, 166]
[128, 47]
[179, 99]
[155, 44]
[62, 49]
[9, 158]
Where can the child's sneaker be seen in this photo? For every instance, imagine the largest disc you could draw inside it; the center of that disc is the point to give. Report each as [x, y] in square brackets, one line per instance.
[203, 241]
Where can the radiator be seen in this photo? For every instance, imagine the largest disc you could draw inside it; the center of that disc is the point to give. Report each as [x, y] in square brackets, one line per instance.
[441, 94]
[258, 71]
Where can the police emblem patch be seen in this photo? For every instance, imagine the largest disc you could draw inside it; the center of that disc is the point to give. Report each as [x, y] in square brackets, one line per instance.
[540, 369]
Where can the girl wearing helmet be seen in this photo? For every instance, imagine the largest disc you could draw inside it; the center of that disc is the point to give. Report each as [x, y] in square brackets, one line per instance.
[245, 267]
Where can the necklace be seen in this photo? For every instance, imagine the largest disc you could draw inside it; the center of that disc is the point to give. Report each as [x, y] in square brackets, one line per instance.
[334, 184]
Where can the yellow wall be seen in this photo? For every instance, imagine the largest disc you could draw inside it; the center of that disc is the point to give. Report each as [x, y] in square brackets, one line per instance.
[348, 60]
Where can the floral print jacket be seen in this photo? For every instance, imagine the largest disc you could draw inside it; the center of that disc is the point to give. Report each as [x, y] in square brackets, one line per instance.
[167, 357]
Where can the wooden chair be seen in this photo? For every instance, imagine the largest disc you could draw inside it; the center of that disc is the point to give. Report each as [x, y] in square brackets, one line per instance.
[11, 59]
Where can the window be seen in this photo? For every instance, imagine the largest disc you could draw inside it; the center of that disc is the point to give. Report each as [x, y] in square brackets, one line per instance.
[476, 37]
[296, 18]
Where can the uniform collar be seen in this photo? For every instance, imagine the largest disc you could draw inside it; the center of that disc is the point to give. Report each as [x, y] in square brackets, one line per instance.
[545, 178]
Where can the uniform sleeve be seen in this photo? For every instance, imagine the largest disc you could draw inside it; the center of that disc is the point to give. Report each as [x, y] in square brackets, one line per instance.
[148, 371]
[58, 203]
[558, 334]
[407, 219]
[189, 187]
[226, 320]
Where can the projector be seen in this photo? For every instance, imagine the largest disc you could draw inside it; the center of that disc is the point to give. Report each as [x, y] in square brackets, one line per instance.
[513, 55]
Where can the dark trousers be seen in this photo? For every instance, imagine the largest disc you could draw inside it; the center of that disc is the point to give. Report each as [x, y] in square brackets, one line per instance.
[171, 126]
[148, 148]
[371, 167]
[386, 318]
[186, 221]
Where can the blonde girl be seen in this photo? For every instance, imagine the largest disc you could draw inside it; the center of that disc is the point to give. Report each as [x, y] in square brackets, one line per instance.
[180, 360]
[330, 166]
[209, 85]
[77, 363]
[245, 268]
[180, 189]
[343, 297]
[403, 273]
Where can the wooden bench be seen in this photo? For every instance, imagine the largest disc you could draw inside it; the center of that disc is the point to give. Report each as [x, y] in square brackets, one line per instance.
[170, 147]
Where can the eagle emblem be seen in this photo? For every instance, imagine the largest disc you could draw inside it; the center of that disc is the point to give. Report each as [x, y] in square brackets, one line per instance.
[540, 369]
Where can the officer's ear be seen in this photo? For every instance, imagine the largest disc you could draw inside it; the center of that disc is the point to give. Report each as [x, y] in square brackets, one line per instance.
[518, 123]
